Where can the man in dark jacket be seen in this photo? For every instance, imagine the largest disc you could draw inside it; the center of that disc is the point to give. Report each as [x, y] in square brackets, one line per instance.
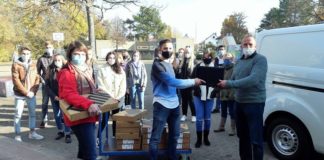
[42, 64]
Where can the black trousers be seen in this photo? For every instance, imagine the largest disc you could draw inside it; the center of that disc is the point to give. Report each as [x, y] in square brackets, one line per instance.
[187, 99]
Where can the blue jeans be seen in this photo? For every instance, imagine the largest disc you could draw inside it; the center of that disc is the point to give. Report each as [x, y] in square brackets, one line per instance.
[227, 106]
[203, 113]
[137, 90]
[45, 100]
[85, 134]
[162, 115]
[19, 108]
[249, 124]
[58, 116]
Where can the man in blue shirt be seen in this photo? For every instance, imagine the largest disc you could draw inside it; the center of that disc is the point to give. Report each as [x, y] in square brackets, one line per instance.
[165, 100]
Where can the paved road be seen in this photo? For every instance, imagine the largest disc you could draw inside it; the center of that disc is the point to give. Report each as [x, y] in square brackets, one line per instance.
[222, 146]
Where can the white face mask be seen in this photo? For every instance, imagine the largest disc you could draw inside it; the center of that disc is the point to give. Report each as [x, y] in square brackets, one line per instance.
[248, 51]
[111, 61]
[58, 64]
[222, 52]
[25, 58]
[49, 51]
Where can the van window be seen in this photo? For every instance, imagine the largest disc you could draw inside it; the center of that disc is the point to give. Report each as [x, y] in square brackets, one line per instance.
[295, 49]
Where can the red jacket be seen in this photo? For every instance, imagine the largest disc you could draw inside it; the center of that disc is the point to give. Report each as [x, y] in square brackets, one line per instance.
[69, 92]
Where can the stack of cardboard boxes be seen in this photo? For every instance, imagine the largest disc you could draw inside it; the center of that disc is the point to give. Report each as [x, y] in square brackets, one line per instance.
[128, 129]
[184, 138]
[147, 132]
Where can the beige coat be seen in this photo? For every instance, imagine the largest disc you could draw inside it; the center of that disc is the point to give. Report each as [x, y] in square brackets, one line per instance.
[112, 83]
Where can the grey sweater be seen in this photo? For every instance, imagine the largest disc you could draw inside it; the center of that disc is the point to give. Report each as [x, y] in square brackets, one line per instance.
[249, 78]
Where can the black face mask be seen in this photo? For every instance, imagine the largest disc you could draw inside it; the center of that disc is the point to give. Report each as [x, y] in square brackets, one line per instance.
[207, 60]
[166, 54]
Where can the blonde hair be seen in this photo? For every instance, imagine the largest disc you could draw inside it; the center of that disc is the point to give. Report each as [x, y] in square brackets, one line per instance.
[191, 59]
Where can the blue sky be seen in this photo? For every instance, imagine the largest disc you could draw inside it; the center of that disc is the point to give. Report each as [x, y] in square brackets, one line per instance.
[200, 18]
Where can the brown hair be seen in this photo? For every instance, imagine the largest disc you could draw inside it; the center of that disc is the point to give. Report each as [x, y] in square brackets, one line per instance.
[164, 41]
[76, 45]
[48, 43]
[23, 48]
[116, 67]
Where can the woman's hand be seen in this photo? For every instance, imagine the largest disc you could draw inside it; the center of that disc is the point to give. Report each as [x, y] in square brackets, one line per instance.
[94, 110]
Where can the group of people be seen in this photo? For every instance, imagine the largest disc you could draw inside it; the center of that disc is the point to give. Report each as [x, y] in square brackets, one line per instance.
[242, 93]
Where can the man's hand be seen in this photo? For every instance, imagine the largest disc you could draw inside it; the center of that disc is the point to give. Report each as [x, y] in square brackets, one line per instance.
[199, 81]
[94, 110]
[30, 94]
[56, 98]
[221, 83]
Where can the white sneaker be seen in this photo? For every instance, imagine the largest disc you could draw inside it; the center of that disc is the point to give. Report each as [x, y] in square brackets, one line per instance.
[183, 118]
[193, 119]
[34, 135]
[18, 138]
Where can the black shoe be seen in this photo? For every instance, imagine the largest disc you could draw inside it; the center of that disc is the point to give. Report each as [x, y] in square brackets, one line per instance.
[59, 135]
[68, 139]
[199, 138]
[42, 125]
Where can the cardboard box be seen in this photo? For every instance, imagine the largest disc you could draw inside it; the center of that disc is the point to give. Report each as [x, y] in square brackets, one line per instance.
[183, 146]
[127, 130]
[6, 87]
[130, 115]
[74, 114]
[121, 124]
[128, 135]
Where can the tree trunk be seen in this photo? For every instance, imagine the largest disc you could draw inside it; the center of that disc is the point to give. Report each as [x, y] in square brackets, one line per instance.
[91, 30]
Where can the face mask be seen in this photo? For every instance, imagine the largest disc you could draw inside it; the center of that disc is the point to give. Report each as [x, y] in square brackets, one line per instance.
[227, 62]
[187, 55]
[25, 58]
[58, 64]
[248, 51]
[49, 51]
[222, 52]
[78, 59]
[207, 60]
[166, 54]
[111, 61]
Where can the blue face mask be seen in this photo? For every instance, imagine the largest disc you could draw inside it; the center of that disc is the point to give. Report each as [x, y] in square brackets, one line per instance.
[227, 62]
[78, 59]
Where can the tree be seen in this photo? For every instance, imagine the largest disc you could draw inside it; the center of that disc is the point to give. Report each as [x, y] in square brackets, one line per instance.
[235, 24]
[293, 13]
[167, 32]
[148, 23]
[117, 31]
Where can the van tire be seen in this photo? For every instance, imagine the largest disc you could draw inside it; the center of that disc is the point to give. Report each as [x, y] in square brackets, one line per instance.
[288, 139]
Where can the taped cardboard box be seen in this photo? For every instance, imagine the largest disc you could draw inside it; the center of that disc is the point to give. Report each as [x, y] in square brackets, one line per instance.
[74, 113]
[129, 115]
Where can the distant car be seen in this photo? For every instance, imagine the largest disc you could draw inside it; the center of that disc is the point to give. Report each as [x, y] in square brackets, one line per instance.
[294, 110]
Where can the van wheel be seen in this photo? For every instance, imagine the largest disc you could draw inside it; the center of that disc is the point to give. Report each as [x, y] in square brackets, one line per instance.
[288, 139]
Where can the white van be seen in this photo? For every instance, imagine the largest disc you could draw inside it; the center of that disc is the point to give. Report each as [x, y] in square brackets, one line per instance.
[294, 110]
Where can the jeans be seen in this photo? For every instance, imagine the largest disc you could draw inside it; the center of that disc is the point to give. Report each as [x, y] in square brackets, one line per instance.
[187, 99]
[203, 113]
[227, 106]
[19, 108]
[137, 90]
[249, 124]
[162, 115]
[85, 134]
[45, 100]
[58, 116]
